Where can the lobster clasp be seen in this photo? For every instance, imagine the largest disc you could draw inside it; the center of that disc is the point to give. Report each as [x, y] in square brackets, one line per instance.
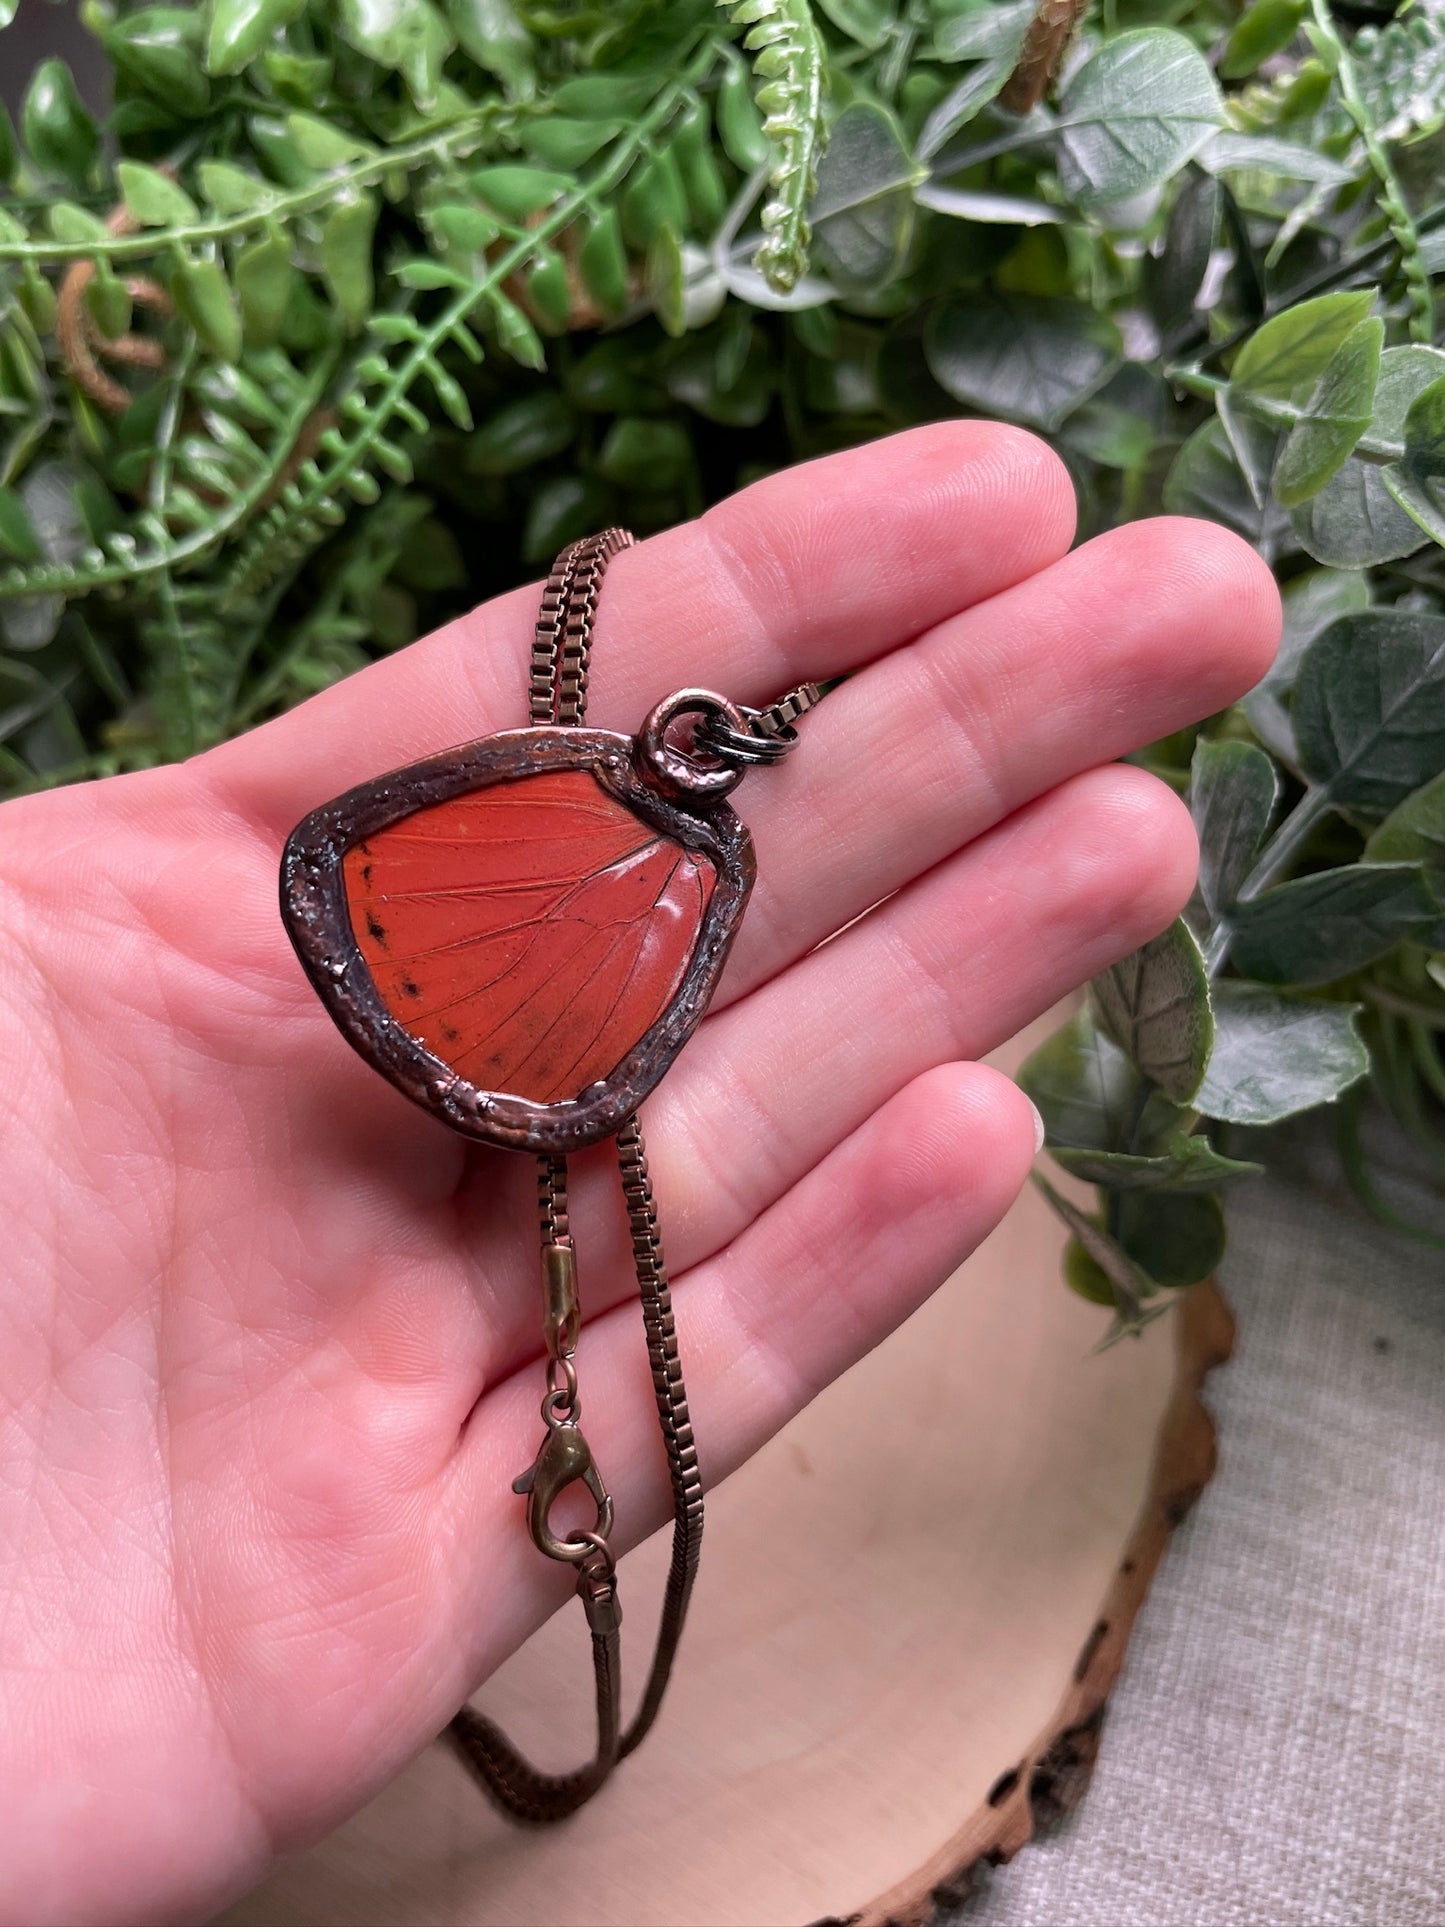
[565, 1459]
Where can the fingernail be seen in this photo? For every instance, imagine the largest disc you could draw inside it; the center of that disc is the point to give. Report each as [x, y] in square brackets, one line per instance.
[1038, 1126]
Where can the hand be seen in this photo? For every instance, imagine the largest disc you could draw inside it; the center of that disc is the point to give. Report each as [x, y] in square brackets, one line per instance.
[269, 1336]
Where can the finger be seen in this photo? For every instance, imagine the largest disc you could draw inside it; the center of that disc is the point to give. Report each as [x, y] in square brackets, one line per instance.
[809, 572]
[1132, 636]
[948, 969]
[808, 1290]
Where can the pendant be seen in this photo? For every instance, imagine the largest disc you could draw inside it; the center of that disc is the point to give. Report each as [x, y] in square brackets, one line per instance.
[521, 934]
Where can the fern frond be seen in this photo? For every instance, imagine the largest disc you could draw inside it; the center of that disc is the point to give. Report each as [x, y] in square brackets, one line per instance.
[789, 66]
[311, 502]
[152, 547]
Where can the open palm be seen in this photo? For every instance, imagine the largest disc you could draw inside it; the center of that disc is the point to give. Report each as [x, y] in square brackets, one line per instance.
[269, 1335]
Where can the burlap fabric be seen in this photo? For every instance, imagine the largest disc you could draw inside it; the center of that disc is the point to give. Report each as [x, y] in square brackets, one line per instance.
[1273, 1757]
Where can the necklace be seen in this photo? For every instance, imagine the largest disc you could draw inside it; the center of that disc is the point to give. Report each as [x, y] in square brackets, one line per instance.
[521, 934]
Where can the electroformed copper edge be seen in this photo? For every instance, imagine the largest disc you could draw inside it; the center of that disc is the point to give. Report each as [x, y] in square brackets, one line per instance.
[317, 917]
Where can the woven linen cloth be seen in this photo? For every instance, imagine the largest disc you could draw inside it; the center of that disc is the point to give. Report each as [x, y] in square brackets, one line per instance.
[1273, 1753]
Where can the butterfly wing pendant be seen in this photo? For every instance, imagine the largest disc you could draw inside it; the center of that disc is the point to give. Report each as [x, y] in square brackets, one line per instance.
[521, 933]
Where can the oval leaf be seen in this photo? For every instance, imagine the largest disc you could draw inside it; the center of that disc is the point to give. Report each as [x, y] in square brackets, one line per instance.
[863, 209]
[1353, 522]
[1024, 356]
[1188, 1164]
[1289, 353]
[1233, 790]
[1275, 1056]
[1316, 929]
[1084, 1087]
[153, 199]
[1133, 114]
[1336, 415]
[1369, 707]
[1155, 1006]
[1414, 832]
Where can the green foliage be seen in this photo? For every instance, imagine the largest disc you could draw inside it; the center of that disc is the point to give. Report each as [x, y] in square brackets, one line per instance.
[354, 312]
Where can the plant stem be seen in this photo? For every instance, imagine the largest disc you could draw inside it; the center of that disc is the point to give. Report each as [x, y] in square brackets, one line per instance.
[1352, 268]
[451, 143]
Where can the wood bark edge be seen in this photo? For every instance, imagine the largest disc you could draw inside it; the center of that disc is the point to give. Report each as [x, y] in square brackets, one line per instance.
[1054, 1774]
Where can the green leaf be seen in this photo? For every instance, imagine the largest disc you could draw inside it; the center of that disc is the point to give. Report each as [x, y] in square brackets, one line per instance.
[59, 133]
[517, 335]
[602, 262]
[521, 434]
[1089, 1094]
[1353, 523]
[491, 32]
[460, 226]
[865, 21]
[1084, 1278]
[1311, 602]
[665, 284]
[158, 50]
[1414, 832]
[322, 145]
[652, 199]
[408, 37]
[346, 259]
[1316, 929]
[241, 29]
[263, 276]
[153, 199]
[1176, 1240]
[1263, 29]
[1335, 416]
[1133, 114]
[450, 394]
[959, 106]
[427, 276]
[645, 455]
[71, 224]
[1417, 482]
[1205, 479]
[1274, 1056]
[1233, 790]
[1128, 1281]
[1287, 356]
[1024, 356]
[991, 31]
[863, 207]
[739, 124]
[549, 290]
[564, 143]
[519, 192]
[203, 297]
[18, 539]
[1369, 707]
[1257, 154]
[1155, 1006]
[232, 190]
[1185, 1164]
[610, 96]
[1172, 279]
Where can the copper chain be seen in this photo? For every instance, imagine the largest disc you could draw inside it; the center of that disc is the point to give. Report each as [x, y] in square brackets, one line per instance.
[558, 695]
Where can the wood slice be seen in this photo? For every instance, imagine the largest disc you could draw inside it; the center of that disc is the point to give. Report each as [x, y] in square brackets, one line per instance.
[913, 1605]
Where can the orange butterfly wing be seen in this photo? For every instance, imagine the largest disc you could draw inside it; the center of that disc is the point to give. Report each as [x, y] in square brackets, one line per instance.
[530, 933]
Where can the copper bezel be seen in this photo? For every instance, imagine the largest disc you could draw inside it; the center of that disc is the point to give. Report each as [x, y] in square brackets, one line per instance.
[314, 910]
